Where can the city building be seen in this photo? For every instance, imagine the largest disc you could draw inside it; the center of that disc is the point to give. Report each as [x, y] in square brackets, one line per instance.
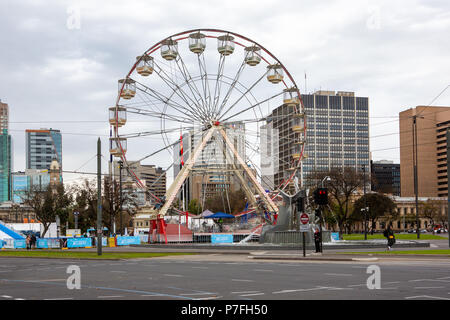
[5, 166]
[43, 146]
[385, 177]
[20, 185]
[215, 169]
[337, 135]
[153, 177]
[4, 116]
[431, 128]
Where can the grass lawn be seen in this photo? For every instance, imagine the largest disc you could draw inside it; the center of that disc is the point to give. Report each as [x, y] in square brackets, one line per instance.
[59, 254]
[394, 252]
[398, 236]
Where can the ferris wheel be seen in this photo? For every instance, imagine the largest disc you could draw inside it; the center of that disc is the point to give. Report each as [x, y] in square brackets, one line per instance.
[215, 104]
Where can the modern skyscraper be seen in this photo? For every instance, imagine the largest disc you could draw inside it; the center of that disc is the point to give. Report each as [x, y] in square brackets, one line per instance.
[337, 134]
[432, 124]
[4, 116]
[385, 177]
[5, 166]
[5, 154]
[42, 147]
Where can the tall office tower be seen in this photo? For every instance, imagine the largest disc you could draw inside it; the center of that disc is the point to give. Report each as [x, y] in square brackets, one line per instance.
[42, 147]
[4, 116]
[385, 177]
[337, 135]
[5, 166]
[207, 178]
[153, 177]
[5, 154]
[431, 128]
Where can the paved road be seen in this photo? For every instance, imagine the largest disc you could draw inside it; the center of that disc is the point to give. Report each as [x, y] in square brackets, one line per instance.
[222, 276]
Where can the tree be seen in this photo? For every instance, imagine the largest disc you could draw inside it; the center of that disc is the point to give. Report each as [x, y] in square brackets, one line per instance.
[379, 206]
[194, 207]
[431, 210]
[48, 203]
[342, 186]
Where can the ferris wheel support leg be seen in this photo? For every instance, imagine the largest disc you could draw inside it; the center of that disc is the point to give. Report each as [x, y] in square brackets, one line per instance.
[262, 193]
[184, 172]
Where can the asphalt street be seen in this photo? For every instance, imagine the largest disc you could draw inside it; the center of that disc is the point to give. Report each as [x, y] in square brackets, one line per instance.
[223, 276]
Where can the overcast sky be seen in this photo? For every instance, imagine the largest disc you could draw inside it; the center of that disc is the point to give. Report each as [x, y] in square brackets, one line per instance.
[60, 60]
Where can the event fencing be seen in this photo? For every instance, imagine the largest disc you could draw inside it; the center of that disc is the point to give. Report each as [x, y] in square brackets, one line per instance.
[56, 243]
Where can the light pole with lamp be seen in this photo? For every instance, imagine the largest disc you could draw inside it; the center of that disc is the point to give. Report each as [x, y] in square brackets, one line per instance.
[327, 178]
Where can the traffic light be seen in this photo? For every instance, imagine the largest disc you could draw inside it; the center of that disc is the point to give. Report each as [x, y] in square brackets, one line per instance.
[321, 196]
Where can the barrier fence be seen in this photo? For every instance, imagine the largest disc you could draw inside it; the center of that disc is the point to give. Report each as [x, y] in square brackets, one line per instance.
[56, 243]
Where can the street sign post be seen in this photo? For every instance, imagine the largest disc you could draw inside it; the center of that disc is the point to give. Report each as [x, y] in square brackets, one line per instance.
[304, 227]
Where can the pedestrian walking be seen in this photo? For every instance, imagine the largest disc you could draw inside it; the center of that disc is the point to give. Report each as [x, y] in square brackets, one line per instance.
[33, 241]
[389, 234]
[317, 239]
[28, 242]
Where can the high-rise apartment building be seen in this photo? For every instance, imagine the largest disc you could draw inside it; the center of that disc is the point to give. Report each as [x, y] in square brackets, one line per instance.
[337, 135]
[42, 147]
[431, 128]
[385, 177]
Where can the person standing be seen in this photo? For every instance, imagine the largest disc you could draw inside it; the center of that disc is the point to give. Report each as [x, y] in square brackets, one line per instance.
[28, 242]
[33, 241]
[317, 239]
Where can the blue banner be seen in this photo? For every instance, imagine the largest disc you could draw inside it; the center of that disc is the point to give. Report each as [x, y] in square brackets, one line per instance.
[335, 236]
[42, 243]
[20, 244]
[125, 241]
[1, 244]
[79, 242]
[221, 238]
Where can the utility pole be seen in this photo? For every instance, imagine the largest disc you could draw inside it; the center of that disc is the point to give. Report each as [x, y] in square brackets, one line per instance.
[99, 197]
[120, 194]
[448, 179]
[416, 184]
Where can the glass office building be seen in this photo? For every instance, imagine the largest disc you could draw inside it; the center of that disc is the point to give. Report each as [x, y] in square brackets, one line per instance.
[20, 185]
[5, 166]
[42, 147]
[337, 131]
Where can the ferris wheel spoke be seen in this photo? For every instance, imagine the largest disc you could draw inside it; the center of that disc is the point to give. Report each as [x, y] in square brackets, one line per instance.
[152, 133]
[167, 101]
[190, 82]
[218, 84]
[230, 89]
[177, 90]
[243, 95]
[205, 82]
[159, 115]
[249, 108]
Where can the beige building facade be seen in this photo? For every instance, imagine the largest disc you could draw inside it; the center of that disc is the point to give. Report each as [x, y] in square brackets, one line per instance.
[432, 124]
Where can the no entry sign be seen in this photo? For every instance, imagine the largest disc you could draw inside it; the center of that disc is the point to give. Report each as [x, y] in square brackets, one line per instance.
[304, 219]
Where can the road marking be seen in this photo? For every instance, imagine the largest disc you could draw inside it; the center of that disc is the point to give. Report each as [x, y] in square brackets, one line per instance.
[443, 278]
[392, 282]
[357, 285]
[19, 299]
[119, 271]
[197, 294]
[300, 290]
[106, 297]
[390, 288]
[252, 294]
[59, 299]
[339, 274]
[151, 295]
[7, 297]
[49, 280]
[210, 298]
[237, 292]
[428, 287]
[429, 280]
[336, 288]
[199, 267]
[172, 275]
[430, 297]
[262, 270]
[243, 280]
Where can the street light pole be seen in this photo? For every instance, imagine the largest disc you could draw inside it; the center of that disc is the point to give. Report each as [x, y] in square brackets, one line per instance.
[416, 184]
[120, 193]
[365, 203]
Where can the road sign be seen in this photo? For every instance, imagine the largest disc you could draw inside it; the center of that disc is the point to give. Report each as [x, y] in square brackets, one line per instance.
[304, 219]
[304, 227]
